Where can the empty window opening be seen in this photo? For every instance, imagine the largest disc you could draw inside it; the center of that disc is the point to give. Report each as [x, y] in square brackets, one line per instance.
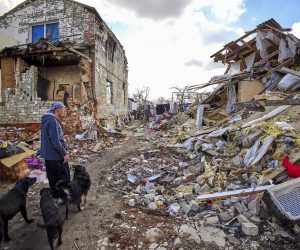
[110, 49]
[123, 94]
[109, 93]
[42, 88]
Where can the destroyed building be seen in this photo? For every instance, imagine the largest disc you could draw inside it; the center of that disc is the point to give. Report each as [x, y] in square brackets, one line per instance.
[60, 50]
[258, 62]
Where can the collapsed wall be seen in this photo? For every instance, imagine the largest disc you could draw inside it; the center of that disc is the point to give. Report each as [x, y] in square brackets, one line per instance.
[22, 105]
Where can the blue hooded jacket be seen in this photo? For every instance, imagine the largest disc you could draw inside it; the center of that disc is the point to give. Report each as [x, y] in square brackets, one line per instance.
[52, 139]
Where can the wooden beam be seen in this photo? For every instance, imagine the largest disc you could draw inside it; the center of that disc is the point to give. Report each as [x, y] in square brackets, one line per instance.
[248, 45]
[81, 54]
[251, 105]
[237, 40]
[290, 71]
[228, 194]
[286, 63]
[243, 52]
[283, 102]
[279, 31]
[278, 171]
[268, 57]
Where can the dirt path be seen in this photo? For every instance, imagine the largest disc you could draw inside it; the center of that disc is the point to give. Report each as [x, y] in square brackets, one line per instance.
[83, 228]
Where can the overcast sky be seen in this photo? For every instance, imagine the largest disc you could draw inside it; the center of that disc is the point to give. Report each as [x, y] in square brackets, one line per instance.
[169, 42]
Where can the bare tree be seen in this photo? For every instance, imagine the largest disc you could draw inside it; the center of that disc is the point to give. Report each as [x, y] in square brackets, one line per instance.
[141, 95]
[180, 93]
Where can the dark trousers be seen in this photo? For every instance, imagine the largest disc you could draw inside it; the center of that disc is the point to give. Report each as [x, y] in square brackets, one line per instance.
[57, 170]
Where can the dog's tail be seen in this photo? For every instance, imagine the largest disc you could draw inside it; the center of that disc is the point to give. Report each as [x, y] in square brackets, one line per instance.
[63, 185]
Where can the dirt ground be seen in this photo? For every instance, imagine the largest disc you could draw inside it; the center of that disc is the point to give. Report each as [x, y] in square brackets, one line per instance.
[84, 229]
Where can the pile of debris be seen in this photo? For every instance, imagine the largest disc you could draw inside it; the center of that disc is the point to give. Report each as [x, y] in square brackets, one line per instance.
[229, 162]
[217, 178]
[82, 148]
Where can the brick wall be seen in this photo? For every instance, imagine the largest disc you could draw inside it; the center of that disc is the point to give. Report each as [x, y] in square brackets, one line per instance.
[22, 104]
[23, 112]
[115, 72]
[74, 19]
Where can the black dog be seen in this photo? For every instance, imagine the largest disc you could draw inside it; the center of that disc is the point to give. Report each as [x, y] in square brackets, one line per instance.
[75, 189]
[52, 218]
[12, 203]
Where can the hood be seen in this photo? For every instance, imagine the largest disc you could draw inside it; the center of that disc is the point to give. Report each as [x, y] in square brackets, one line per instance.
[46, 117]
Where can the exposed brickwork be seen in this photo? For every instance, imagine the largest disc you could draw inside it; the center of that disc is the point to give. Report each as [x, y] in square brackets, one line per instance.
[82, 26]
[22, 105]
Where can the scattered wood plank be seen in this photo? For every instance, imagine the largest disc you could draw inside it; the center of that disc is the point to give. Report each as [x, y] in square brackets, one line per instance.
[96, 147]
[277, 172]
[76, 246]
[228, 194]
[247, 44]
[268, 57]
[286, 63]
[283, 102]
[289, 71]
[154, 211]
[253, 106]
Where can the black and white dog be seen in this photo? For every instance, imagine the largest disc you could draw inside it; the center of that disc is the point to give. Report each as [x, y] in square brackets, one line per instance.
[75, 189]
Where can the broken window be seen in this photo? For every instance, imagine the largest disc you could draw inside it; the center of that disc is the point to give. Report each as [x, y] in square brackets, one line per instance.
[109, 92]
[49, 31]
[110, 48]
[123, 94]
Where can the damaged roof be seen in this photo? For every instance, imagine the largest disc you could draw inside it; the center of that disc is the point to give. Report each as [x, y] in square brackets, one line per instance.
[240, 48]
[92, 9]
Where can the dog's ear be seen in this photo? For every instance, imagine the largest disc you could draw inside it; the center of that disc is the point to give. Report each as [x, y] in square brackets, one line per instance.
[79, 167]
[30, 181]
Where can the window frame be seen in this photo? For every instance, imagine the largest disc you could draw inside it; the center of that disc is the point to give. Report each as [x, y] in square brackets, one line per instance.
[45, 30]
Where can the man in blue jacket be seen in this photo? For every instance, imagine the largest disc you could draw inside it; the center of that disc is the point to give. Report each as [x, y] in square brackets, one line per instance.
[53, 148]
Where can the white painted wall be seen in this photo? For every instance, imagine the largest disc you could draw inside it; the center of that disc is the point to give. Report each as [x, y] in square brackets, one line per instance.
[15, 28]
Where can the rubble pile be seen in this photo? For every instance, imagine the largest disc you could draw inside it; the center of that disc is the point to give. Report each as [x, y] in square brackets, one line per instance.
[215, 176]
[224, 167]
[81, 149]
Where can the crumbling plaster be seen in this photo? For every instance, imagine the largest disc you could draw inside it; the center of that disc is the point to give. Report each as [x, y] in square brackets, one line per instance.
[68, 14]
[81, 26]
